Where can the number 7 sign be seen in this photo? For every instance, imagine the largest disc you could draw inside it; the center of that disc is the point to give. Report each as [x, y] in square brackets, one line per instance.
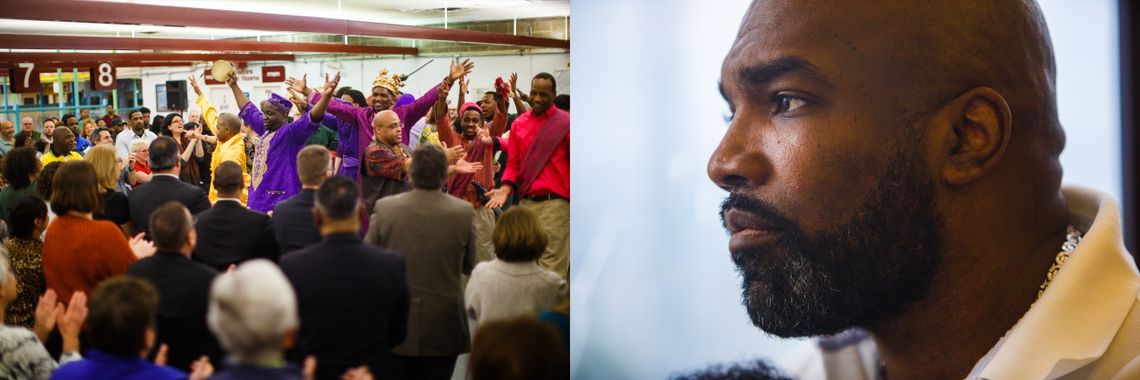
[103, 76]
[25, 77]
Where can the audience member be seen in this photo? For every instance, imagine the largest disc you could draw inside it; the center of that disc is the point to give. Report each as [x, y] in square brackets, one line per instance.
[22, 355]
[293, 224]
[353, 298]
[139, 163]
[253, 313]
[44, 186]
[7, 136]
[70, 265]
[20, 169]
[183, 287]
[103, 136]
[189, 147]
[138, 131]
[110, 115]
[435, 265]
[28, 127]
[121, 326]
[513, 284]
[62, 147]
[108, 168]
[229, 233]
[27, 223]
[46, 140]
[164, 186]
[518, 349]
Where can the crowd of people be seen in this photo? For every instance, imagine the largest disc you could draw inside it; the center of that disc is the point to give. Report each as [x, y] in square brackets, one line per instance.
[320, 233]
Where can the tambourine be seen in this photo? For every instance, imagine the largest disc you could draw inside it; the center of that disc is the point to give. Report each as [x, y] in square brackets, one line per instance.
[222, 71]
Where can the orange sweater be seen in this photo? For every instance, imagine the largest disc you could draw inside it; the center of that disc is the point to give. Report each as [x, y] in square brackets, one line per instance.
[78, 253]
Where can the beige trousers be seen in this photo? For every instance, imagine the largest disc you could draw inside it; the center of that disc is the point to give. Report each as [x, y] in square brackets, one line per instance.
[484, 226]
[555, 217]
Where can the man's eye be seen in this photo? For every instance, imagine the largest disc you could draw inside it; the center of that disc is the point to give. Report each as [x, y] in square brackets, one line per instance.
[788, 103]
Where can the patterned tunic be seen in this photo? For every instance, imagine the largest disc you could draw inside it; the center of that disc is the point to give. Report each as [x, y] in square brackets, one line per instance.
[22, 356]
[383, 172]
[26, 258]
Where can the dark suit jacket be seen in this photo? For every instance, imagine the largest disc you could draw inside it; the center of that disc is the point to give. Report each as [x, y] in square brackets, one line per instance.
[353, 302]
[161, 189]
[293, 224]
[434, 231]
[231, 234]
[184, 293]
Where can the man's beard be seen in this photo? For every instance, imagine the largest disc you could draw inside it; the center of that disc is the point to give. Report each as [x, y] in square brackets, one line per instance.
[869, 268]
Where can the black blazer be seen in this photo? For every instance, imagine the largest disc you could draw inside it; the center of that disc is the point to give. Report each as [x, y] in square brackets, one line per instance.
[353, 301]
[184, 294]
[231, 234]
[293, 224]
[161, 189]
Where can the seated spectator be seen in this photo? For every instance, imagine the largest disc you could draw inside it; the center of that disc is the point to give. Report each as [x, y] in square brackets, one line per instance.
[513, 284]
[22, 356]
[108, 168]
[70, 265]
[293, 224]
[228, 233]
[121, 327]
[517, 349]
[20, 169]
[27, 223]
[353, 298]
[183, 287]
[165, 185]
[139, 159]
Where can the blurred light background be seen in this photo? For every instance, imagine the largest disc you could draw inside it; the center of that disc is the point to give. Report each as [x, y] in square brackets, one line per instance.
[655, 292]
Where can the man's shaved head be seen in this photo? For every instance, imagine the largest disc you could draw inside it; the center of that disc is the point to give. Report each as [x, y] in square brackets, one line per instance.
[867, 137]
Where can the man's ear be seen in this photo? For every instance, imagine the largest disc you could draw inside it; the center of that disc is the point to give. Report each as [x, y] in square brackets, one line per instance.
[973, 131]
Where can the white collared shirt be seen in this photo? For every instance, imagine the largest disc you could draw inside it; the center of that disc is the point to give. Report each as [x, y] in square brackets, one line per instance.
[1086, 325]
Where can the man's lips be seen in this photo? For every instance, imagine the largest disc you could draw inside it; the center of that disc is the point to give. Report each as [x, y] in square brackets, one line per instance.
[750, 230]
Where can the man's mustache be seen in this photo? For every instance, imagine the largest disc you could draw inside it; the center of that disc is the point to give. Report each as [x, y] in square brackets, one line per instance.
[756, 207]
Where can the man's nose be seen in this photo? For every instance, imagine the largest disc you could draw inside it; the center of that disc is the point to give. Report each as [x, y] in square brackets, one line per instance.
[740, 161]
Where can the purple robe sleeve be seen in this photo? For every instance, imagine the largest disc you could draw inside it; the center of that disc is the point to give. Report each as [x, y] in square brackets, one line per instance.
[252, 117]
[412, 113]
[343, 111]
[299, 131]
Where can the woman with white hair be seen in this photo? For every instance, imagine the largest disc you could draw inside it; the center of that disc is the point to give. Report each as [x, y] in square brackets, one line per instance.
[253, 313]
[140, 162]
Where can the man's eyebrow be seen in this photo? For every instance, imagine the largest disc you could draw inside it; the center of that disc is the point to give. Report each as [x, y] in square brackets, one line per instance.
[763, 73]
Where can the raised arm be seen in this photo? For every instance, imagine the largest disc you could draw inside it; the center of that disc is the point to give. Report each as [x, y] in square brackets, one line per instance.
[520, 106]
[238, 95]
[209, 114]
[464, 84]
[318, 110]
[443, 122]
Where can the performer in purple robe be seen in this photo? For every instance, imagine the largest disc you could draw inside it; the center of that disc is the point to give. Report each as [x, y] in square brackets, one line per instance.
[274, 174]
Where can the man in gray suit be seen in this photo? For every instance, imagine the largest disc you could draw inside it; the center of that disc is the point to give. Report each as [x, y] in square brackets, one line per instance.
[434, 232]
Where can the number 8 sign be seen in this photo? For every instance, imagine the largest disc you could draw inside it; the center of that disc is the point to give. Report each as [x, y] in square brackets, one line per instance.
[103, 76]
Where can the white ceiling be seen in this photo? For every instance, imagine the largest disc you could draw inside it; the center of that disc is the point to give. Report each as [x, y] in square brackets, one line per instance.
[403, 12]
